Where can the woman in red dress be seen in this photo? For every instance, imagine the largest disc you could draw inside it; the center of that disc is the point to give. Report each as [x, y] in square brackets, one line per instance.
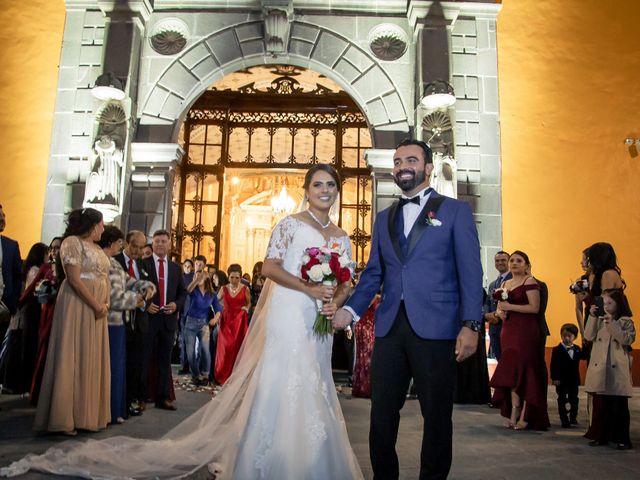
[365, 338]
[236, 300]
[518, 390]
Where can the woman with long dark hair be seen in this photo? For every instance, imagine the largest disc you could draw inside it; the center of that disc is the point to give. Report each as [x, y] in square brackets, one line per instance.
[18, 360]
[46, 289]
[518, 390]
[75, 391]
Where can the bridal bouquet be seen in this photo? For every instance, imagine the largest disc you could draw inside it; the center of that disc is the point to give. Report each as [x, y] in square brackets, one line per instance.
[45, 291]
[328, 265]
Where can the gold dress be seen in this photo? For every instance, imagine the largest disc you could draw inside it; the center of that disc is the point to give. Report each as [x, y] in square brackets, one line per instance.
[75, 390]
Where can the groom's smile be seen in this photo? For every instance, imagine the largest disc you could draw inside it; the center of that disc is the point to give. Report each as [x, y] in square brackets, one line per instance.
[410, 169]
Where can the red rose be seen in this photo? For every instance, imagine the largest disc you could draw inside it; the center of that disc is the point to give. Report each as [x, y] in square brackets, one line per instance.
[344, 275]
[334, 264]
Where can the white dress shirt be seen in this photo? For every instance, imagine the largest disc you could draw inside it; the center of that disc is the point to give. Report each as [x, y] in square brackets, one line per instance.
[411, 211]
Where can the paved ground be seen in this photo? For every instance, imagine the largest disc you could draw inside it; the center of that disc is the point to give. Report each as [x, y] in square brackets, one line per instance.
[483, 448]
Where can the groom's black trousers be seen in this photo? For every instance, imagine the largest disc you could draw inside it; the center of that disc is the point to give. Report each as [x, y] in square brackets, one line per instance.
[398, 357]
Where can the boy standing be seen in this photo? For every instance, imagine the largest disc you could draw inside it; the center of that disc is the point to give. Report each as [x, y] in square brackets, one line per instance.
[565, 374]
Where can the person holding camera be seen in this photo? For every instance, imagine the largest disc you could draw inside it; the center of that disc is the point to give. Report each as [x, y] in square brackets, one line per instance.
[202, 298]
[608, 377]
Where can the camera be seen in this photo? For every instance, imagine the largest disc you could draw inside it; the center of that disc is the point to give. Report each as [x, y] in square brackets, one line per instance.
[599, 302]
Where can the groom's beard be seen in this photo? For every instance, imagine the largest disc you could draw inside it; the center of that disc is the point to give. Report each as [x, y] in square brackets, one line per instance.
[408, 184]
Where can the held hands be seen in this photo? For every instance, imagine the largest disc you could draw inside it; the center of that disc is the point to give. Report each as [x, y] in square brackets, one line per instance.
[466, 344]
[168, 309]
[341, 319]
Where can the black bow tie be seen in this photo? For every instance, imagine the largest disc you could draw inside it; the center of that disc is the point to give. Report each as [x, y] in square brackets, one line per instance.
[404, 201]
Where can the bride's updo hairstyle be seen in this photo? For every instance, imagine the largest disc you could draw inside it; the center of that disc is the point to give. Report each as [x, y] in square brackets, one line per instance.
[81, 221]
[321, 167]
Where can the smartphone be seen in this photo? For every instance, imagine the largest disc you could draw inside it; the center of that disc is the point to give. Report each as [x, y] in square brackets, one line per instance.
[599, 302]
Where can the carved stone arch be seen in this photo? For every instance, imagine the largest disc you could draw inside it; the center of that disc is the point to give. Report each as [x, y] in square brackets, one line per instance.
[241, 46]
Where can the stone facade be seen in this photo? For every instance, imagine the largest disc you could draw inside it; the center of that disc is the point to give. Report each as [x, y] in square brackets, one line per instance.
[168, 52]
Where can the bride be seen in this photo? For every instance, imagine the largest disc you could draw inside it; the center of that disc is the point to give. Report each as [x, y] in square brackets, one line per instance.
[278, 416]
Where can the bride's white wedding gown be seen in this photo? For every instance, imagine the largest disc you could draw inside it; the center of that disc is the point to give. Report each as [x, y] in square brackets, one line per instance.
[278, 416]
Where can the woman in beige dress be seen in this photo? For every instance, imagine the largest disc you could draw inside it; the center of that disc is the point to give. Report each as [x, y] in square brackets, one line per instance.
[76, 384]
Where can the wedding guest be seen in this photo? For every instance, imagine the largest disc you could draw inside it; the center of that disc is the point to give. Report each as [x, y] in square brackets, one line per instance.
[608, 375]
[19, 354]
[246, 279]
[604, 274]
[147, 250]
[127, 294]
[46, 291]
[565, 374]
[501, 263]
[472, 375]
[580, 288]
[219, 279]
[163, 313]
[187, 278]
[75, 391]
[202, 298]
[236, 301]
[516, 380]
[10, 276]
[364, 340]
[136, 323]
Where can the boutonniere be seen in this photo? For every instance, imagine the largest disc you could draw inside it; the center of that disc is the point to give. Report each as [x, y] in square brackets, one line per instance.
[143, 273]
[432, 220]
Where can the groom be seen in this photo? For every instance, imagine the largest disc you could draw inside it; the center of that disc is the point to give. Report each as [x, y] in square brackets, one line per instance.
[426, 256]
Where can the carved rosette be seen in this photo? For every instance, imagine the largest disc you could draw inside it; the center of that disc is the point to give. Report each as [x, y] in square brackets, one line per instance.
[169, 36]
[388, 42]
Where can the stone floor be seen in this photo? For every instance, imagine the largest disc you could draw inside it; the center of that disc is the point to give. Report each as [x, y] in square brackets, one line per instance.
[483, 447]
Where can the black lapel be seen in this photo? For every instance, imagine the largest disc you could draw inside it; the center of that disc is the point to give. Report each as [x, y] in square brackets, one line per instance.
[420, 226]
[150, 268]
[393, 211]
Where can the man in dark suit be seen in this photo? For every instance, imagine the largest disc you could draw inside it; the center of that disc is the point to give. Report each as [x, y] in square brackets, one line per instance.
[425, 250]
[163, 312]
[137, 324]
[501, 262]
[10, 274]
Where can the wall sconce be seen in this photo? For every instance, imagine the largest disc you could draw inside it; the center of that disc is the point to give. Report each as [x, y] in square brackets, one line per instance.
[438, 95]
[108, 87]
[631, 141]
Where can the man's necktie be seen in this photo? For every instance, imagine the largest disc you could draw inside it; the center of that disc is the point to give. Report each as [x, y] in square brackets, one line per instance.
[161, 280]
[132, 272]
[404, 201]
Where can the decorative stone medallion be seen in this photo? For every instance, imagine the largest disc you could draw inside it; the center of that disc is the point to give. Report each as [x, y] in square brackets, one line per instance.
[388, 41]
[169, 36]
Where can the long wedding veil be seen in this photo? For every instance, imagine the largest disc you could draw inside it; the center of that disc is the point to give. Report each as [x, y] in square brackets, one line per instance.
[209, 437]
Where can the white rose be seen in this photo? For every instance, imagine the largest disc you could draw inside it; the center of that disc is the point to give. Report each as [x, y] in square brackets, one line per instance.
[435, 222]
[315, 273]
[344, 261]
[305, 259]
[326, 269]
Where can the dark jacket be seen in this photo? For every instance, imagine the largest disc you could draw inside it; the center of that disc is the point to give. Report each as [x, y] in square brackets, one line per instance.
[563, 367]
[11, 273]
[175, 291]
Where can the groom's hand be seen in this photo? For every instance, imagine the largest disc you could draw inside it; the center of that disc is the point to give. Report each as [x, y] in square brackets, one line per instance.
[466, 344]
[342, 319]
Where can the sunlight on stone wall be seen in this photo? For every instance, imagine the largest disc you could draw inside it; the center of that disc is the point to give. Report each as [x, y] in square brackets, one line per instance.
[31, 43]
[569, 96]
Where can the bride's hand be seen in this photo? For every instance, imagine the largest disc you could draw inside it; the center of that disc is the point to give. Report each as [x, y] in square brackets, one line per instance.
[329, 309]
[320, 292]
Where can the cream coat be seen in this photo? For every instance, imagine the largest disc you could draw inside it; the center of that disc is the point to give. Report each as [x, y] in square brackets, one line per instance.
[609, 368]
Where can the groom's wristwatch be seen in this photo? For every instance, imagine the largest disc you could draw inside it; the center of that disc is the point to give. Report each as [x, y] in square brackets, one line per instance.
[474, 326]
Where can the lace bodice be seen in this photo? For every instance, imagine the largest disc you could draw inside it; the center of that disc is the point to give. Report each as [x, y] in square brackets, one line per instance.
[292, 236]
[88, 256]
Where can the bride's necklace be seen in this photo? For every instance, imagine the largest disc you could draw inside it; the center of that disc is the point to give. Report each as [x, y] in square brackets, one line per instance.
[323, 225]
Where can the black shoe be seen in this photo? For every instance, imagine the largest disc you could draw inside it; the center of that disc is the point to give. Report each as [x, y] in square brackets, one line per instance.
[183, 371]
[596, 443]
[573, 421]
[566, 425]
[623, 446]
[134, 412]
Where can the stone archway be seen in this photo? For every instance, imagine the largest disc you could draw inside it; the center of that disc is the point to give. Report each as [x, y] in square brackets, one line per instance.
[362, 76]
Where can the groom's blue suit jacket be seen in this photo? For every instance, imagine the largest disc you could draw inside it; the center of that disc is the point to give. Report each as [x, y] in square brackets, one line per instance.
[440, 277]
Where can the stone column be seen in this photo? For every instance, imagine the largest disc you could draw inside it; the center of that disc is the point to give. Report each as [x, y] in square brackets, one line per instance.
[151, 186]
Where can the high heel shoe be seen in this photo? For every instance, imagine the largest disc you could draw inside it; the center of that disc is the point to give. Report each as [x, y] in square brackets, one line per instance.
[520, 425]
[516, 410]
